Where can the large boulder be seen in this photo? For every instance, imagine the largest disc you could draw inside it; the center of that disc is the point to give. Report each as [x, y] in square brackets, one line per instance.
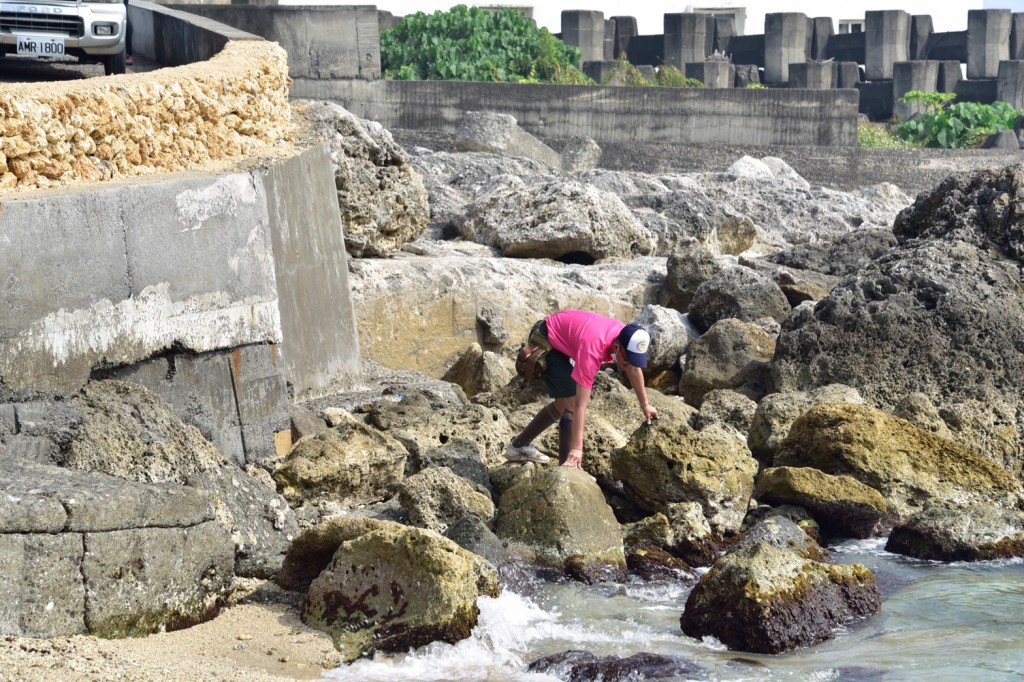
[842, 505]
[972, 534]
[395, 588]
[686, 270]
[478, 371]
[732, 354]
[437, 499]
[939, 314]
[349, 464]
[776, 413]
[493, 133]
[313, 549]
[767, 600]
[419, 424]
[844, 255]
[560, 516]
[910, 467]
[671, 335]
[382, 199]
[127, 431]
[740, 293]
[557, 219]
[673, 462]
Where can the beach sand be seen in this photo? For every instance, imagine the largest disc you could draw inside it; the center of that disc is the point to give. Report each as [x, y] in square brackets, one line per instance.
[258, 637]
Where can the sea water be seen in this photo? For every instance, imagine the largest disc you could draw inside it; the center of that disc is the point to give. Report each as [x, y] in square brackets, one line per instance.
[958, 621]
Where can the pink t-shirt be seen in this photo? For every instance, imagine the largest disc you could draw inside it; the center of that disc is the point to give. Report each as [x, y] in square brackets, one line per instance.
[586, 338]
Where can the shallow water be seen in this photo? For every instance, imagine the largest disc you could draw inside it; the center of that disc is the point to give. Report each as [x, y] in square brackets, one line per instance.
[938, 622]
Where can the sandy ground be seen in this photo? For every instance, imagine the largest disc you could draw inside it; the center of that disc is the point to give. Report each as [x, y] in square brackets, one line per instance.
[258, 638]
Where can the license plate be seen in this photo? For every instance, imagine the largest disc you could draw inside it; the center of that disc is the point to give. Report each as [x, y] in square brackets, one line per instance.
[41, 47]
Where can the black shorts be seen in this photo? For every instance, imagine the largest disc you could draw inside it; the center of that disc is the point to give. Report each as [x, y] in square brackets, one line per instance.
[558, 377]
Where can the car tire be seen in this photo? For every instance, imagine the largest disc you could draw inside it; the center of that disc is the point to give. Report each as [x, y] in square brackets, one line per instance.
[114, 63]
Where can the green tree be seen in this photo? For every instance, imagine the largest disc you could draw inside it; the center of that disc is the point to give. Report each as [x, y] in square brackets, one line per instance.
[472, 44]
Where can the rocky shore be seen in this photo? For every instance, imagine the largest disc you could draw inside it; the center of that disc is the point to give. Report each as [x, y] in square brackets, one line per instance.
[826, 365]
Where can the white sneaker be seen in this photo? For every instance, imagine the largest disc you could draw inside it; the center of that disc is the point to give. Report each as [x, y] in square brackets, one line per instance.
[526, 453]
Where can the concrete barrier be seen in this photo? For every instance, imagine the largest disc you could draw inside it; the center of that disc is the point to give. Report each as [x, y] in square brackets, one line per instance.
[608, 114]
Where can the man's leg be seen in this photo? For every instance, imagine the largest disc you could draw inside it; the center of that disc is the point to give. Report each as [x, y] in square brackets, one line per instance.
[567, 406]
[548, 415]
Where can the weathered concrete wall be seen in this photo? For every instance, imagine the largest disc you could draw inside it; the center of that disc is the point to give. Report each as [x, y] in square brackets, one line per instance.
[248, 265]
[234, 105]
[607, 114]
[322, 41]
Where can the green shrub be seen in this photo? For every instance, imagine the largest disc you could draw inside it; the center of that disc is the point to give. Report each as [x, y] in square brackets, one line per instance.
[472, 44]
[880, 136]
[756, 86]
[623, 72]
[671, 77]
[954, 126]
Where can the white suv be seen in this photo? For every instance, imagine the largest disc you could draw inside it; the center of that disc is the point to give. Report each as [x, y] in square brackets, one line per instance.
[93, 30]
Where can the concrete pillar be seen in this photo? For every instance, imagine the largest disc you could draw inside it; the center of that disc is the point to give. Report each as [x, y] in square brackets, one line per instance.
[1010, 86]
[785, 43]
[715, 75]
[988, 41]
[688, 38]
[812, 75]
[847, 75]
[920, 32]
[1017, 36]
[819, 32]
[598, 71]
[921, 75]
[725, 29]
[625, 29]
[609, 40]
[585, 30]
[950, 74]
[887, 41]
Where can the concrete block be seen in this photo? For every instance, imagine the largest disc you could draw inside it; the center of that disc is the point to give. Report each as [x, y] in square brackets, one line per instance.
[847, 47]
[1017, 36]
[748, 50]
[713, 74]
[887, 40]
[812, 75]
[785, 43]
[988, 41]
[907, 76]
[262, 397]
[199, 389]
[920, 33]
[1011, 83]
[140, 581]
[688, 38]
[41, 589]
[819, 32]
[746, 74]
[950, 46]
[585, 30]
[599, 71]
[876, 101]
[981, 90]
[950, 73]
[847, 74]
[318, 323]
[625, 31]
[25, 509]
[646, 49]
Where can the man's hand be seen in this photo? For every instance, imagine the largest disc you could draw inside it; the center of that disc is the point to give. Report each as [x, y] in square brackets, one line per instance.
[575, 459]
[650, 413]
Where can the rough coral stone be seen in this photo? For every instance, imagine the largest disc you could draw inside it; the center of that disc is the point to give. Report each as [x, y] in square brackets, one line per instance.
[974, 534]
[397, 588]
[764, 599]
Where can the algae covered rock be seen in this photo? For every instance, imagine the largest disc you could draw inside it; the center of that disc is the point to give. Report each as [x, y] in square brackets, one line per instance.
[437, 499]
[910, 467]
[776, 413]
[972, 534]
[673, 462]
[840, 504]
[396, 588]
[764, 599]
[313, 549]
[349, 464]
[560, 513]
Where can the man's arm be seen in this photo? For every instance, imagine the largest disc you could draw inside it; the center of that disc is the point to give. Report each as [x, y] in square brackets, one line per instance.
[636, 380]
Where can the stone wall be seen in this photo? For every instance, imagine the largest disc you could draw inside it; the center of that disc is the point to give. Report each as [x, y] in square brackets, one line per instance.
[234, 105]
